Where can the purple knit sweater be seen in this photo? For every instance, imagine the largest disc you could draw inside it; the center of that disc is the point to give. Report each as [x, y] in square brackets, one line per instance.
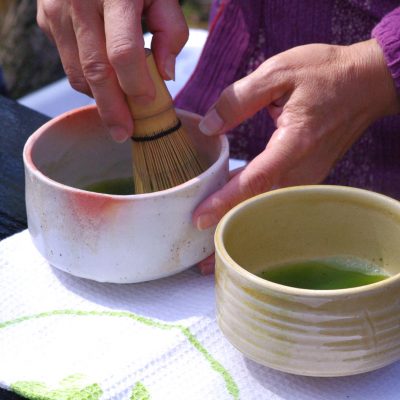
[245, 33]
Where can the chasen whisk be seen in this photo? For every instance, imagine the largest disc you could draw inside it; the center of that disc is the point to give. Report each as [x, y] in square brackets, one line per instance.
[163, 155]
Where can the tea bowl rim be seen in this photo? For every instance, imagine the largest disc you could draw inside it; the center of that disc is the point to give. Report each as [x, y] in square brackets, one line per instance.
[32, 168]
[293, 291]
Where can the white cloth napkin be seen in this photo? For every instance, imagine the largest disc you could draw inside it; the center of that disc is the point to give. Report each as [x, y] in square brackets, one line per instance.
[63, 337]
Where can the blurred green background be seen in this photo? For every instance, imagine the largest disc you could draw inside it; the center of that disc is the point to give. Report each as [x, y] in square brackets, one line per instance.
[30, 61]
[196, 12]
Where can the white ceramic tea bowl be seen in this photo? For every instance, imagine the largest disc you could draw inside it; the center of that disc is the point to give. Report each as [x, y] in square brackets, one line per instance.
[113, 238]
[301, 331]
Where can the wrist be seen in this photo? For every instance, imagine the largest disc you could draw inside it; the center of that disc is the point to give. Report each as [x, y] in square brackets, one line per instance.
[372, 67]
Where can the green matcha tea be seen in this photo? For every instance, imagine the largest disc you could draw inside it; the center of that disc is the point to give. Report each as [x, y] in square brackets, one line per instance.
[326, 273]
[122, 186]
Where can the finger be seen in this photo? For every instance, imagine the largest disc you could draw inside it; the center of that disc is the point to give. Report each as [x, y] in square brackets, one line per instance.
[98, 72]
[260, 175]
[125, 47]
[236, 171]
[42, 20]
[64, 36]
[170, 33]
[247, 96]
[207, 266]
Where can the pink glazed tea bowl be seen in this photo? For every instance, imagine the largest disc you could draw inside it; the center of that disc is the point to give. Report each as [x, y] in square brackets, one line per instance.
[113, 238]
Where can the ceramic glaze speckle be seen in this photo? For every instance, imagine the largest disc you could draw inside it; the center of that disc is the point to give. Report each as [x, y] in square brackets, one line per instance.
[310, 332]
[112, 238]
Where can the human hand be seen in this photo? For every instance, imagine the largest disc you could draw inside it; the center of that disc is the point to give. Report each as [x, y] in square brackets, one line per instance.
[102, 50]
[206, 266]
[321, 98]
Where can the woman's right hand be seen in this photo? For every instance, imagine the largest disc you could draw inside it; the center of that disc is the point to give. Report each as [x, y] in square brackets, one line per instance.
[102, 50]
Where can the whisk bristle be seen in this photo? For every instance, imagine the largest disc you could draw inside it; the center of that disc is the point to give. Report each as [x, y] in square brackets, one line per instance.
[165, 161]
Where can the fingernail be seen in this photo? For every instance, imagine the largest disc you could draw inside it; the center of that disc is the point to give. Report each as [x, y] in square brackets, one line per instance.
[206, 221]
[170, 67]
[211, 123]
[118, 134]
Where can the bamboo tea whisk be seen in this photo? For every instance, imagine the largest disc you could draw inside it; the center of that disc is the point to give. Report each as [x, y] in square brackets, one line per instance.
[163, 155]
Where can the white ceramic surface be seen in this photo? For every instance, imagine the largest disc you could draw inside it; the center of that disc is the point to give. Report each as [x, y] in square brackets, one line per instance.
[113, 238]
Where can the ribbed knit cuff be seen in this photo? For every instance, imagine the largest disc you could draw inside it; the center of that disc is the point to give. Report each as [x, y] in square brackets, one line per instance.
[387, 33]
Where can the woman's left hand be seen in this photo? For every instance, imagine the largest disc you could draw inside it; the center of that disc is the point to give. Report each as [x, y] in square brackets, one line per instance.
[321, 98]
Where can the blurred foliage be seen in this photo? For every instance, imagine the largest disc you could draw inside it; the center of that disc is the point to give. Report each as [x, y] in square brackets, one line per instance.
[196, 12]
[28, 59]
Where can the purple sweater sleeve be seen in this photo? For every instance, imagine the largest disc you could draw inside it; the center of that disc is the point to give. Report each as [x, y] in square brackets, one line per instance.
[387, 33]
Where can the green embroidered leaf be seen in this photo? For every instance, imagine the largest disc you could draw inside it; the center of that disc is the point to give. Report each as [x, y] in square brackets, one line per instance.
[140, 392]
[30, 390]
[72, 387]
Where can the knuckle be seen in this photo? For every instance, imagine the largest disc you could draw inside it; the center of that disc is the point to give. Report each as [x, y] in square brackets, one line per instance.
[260, 182]
[77, 6]
[73, 72]
[226, 97]
[278, 69]
[51, 9]
[122, 53]
[80, 86]
[221, 204]
[230, 103]
[275, 65]
[96, 72]
[78, 82]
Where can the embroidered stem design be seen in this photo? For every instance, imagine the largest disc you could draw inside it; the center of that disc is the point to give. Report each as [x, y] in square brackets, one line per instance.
[230, 384]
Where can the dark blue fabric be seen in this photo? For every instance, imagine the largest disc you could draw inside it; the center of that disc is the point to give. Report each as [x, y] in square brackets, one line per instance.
[3, 89]
[16, 125]
[6, 395]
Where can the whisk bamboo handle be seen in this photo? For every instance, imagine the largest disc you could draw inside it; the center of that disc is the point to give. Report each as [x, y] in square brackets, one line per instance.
[161, 106]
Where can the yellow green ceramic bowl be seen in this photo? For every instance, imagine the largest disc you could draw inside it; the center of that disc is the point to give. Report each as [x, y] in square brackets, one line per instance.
[303, 331]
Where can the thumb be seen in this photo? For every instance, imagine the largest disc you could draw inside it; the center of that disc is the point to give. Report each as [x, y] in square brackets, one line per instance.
[245, 97]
